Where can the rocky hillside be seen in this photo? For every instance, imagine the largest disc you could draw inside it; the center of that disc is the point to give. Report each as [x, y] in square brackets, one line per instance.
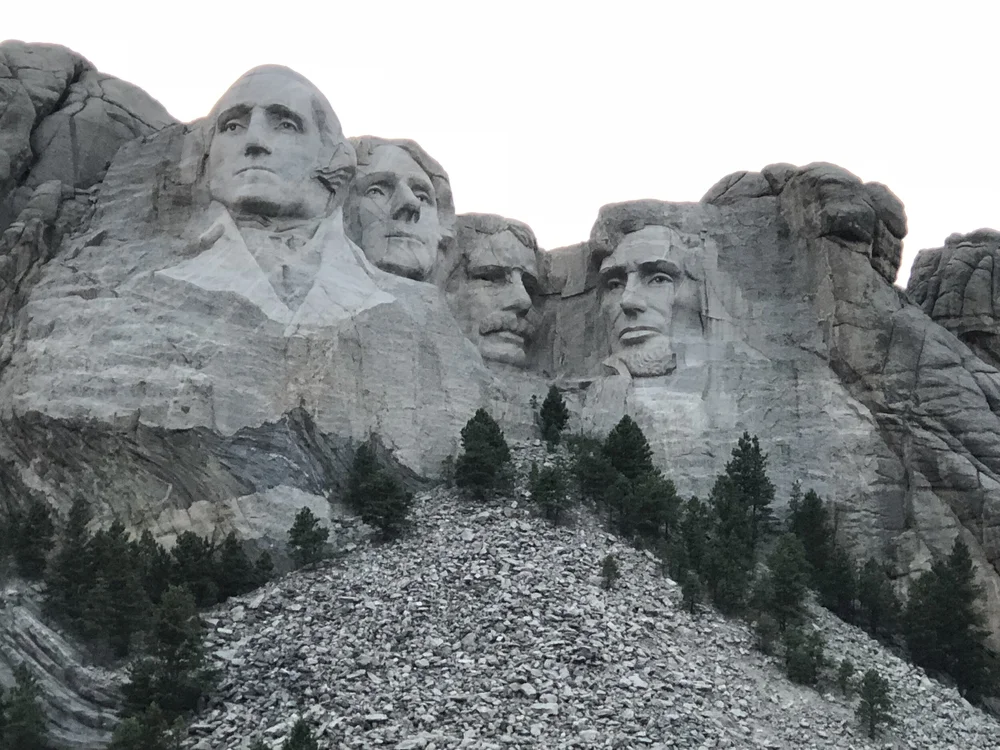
[488, 628]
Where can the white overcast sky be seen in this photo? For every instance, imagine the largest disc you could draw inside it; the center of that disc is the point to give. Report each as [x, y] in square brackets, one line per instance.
[544, 111]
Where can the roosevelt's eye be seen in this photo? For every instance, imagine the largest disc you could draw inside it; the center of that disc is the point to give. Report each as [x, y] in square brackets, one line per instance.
[614, 284]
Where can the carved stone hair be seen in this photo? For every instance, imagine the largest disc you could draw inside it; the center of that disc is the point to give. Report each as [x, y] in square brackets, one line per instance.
[337, 162]
[365, 146]
[616, 220]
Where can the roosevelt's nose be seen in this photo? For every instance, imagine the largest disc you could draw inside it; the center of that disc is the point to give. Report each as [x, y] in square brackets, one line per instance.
[516, 298]
[256, 138]
[632, 301]
[405, 205]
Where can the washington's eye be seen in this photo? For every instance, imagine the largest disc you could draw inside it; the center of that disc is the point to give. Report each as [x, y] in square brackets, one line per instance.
[231, 127]
[289, 125]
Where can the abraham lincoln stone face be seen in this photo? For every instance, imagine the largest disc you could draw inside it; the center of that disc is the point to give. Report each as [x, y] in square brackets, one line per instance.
[490, 292]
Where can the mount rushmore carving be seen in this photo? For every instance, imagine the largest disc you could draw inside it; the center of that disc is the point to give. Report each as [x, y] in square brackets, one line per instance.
[197, 332]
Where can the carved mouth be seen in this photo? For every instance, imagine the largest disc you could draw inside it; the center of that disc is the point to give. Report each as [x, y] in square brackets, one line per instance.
[511, 337]
[637, 334]
[402, 235]
[254, 168]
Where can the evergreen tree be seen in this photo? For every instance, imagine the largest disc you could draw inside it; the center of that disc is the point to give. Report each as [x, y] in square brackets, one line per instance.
[875, 706]
[788, 579]
[650, 508]
[844, 674]
[377, 496]
[301, 737]
[263, 569]
[117, 607]
[484, 456]
[173, 674]
[879, 609]
[628, 450]
[837, 584]
[747, 474]
[945, 628]
[593, 470]
[809, 520]
[553, 416]
[306, 538]
[694, 530]
[729, 560]
[155, 565]
[609, 571]
[24, 723]
[194, 566]
[70, 573]
[145, 731]
[548, 491]
[691, 591]
[235, 573]
[32, 538]
[804, 658]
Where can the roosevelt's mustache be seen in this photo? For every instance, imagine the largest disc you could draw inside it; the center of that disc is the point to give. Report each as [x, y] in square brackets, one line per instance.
[505, 321]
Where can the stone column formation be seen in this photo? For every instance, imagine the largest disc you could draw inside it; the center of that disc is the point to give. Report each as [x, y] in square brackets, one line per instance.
[198, 322]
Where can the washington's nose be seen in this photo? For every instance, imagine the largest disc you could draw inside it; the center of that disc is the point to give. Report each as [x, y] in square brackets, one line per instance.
[256, 139]
[517, 299]
[406, 206]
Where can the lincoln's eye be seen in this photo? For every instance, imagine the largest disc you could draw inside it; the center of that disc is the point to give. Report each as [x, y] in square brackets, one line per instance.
[614, 284]
[661, 278]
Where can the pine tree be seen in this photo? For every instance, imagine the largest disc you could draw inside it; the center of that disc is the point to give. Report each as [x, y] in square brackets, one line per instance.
[875, 706]
[263, 569]
[377, 496]
[194, 566]
[837, 584]
[789, 579]
[70, 573]
[548, 490]
[747, 472]
[694, 529]
[728, 563]
[155, 565]
[691, 591]
[628, 450]
[553, 416]
[32, 538]
[610, 572]
[363, 469]
[809, 520]
[301, 737]
[24, 725]
[654, 506]
[879, 609]
[234, 573]
[804, 658]
[306, 538]
[844, 674]
[117, 606]
[484, 456]
[146, 731]
[945, 628]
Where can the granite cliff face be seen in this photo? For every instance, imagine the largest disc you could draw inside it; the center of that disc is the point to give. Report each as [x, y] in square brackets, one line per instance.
[199, 322]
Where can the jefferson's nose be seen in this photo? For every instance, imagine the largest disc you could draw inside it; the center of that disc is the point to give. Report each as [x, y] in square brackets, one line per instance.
[406, 206]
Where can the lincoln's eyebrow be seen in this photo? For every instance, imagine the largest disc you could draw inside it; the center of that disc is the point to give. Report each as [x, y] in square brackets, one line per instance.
[282, 111]
[240, 110]
[659, 266]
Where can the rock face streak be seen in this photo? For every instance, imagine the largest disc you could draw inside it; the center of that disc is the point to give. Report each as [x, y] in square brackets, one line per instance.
[199, 322]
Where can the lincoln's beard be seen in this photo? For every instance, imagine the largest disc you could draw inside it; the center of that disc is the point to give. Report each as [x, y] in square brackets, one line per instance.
[647, 360]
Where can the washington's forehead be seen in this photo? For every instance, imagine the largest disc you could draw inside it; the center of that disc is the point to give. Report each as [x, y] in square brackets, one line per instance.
[389, 158]
[505, 250]
[271, 85]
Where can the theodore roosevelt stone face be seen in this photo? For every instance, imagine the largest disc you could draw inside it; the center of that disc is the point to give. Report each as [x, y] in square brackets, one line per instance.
[271, 132]
[637, 289]
[490, 292]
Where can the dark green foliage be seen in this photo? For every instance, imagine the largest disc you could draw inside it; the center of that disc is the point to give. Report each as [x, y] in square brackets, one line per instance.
[306, 538]
[609, 571]
[649, 507]
[628, 450]
[875, 705]
[156, 567]
[729, 560]
[23, 724]
[879, 609]
[263, 569]
[837, 585]
[172, 675]
[804, 659]
[787, 581]
[146, 731]
[234, 574]
[548, 490]
[195, 567]
[117, 607]
[845, 672]
[484, 456]
[32, 538]
[691, 591]
[377, 496]
[70, 573]
[944, 625]
[300, 738]
[553, 417]
[592, 469]
[692, 539]
[766, 632]
[258, 744]
[747, 475]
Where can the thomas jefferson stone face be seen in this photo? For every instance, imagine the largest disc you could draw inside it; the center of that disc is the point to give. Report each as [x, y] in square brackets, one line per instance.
[638, 284]
[392, 213]
[492, 297]
[267, 147]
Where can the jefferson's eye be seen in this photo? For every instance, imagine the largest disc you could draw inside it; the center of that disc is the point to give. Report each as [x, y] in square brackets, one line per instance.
[424, 198]
[375, 191]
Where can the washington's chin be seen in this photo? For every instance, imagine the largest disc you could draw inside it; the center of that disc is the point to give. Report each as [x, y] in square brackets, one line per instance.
[504, 347]
[268, 198]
